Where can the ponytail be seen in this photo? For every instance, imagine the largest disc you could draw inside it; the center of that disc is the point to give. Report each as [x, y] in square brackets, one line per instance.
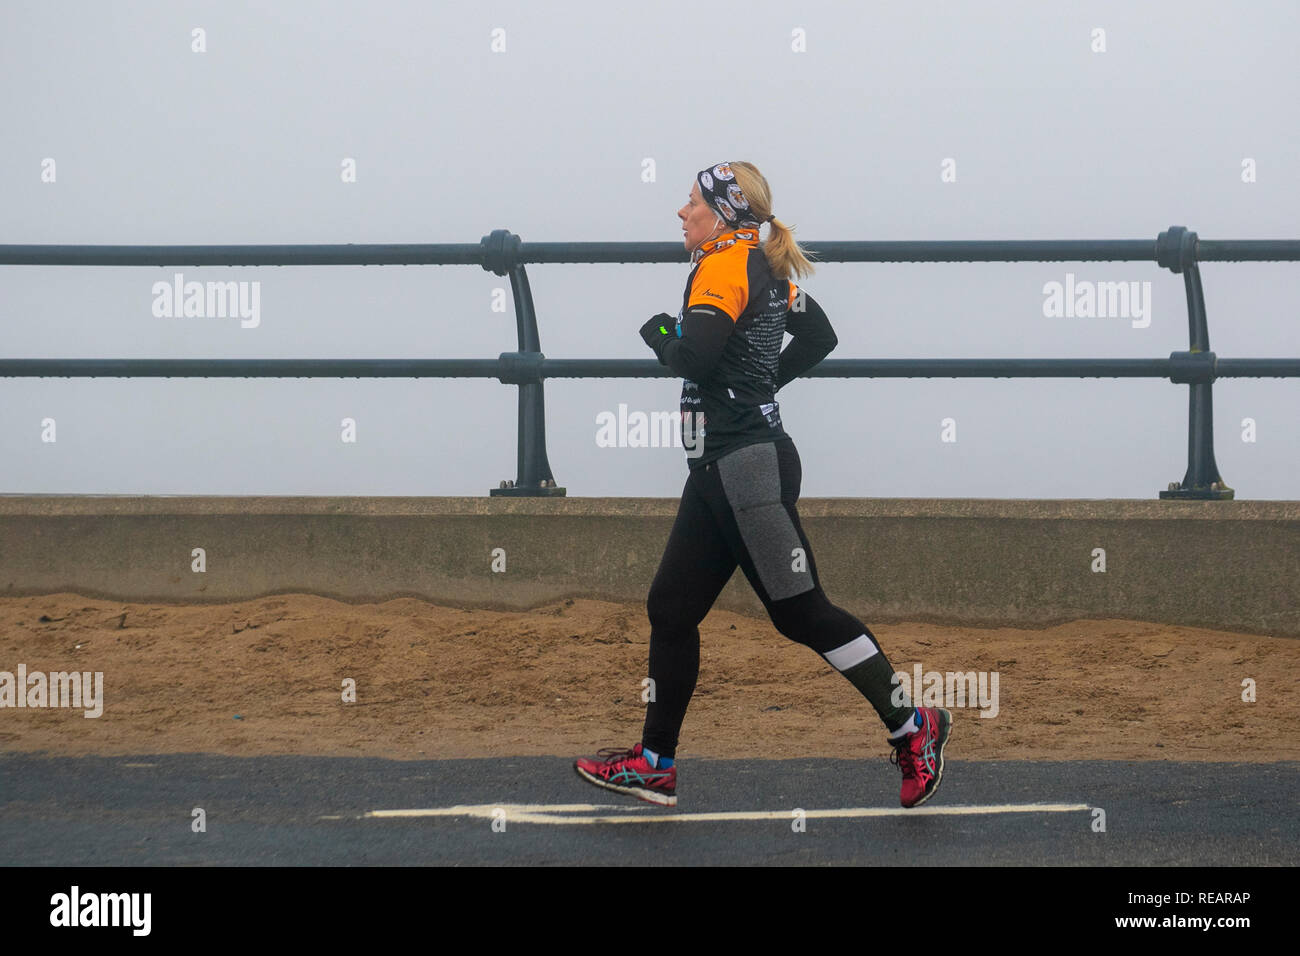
[784, 256]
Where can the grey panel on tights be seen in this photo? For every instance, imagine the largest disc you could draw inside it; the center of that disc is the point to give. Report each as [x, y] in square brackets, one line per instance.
[751, 480]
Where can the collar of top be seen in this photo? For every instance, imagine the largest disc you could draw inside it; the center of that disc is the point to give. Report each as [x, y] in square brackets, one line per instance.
[743, 234]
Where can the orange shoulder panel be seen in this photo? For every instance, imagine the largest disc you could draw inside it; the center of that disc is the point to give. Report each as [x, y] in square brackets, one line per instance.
[721, 281]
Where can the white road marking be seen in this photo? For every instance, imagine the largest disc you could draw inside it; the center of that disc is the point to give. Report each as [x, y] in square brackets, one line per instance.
[579, 813]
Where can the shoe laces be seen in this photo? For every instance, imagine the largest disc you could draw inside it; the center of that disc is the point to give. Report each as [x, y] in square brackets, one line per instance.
[614, 755]
[904, 759]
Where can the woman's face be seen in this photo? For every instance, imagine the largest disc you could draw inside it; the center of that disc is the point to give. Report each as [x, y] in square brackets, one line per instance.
[699, 221]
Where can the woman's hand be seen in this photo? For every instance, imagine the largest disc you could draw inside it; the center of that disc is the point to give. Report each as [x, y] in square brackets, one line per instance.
[658, 331]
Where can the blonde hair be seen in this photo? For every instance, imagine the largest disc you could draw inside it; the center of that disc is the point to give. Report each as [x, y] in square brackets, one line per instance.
[784, 256]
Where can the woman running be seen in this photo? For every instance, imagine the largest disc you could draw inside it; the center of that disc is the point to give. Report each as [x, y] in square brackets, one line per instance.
[738, 507]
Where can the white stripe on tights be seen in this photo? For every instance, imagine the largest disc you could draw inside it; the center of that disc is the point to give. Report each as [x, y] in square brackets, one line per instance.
[854, 652]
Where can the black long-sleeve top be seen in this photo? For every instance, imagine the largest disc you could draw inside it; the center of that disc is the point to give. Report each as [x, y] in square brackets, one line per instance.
[705, 330]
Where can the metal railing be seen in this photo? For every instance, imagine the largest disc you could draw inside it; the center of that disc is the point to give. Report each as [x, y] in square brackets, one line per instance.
[505, 254]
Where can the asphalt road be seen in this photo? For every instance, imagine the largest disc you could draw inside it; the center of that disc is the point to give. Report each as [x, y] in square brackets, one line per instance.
[310, 811]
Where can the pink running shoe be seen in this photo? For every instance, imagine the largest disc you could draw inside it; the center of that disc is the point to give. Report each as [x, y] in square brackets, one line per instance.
[920, 756]
[628, 771]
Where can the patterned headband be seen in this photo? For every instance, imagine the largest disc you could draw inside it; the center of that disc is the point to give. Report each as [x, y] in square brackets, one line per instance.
[720, 190]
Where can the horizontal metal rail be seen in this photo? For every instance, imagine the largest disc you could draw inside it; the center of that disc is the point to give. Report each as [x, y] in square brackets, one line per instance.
[512, 372]
[529, 253]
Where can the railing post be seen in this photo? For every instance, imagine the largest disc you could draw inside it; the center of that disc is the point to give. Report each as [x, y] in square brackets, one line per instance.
[533, 475]
[1176, 250]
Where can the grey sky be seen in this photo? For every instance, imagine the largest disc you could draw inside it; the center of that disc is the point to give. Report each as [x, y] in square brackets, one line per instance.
[244, 144]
